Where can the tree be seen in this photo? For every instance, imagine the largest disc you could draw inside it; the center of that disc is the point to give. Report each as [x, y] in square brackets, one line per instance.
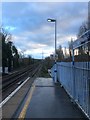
[48, 62]
[9, 51]
[83, 28]
[3, 35]
[9, 55]
[4, 53]
[30, 60]
[70, 43]
[15, 57]
[60, 54]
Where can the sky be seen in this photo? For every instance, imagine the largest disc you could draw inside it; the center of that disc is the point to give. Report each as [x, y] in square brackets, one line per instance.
[33, 34]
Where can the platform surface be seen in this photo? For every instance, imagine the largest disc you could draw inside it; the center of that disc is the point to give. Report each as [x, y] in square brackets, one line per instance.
[50, 100]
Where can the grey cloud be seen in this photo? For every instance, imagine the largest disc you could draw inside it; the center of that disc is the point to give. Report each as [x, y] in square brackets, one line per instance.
[31, 18]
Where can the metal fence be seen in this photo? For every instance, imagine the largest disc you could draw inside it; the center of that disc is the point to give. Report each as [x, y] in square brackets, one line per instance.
[76, 81]
[75, 78]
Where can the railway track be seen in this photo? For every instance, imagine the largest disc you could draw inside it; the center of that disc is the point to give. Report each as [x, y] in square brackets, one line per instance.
[9, 80]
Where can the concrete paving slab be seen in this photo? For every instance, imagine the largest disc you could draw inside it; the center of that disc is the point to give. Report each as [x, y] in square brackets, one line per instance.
[44, 82]
[51, 102]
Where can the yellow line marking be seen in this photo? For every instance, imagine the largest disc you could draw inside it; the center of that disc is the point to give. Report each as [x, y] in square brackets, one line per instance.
[23, 112]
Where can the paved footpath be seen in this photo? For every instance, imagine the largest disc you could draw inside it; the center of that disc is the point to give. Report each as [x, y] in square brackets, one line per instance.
[48, 100]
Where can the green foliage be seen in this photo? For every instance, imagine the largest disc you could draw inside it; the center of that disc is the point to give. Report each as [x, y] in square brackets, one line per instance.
[48, 62]
[10, 54]
[44, 71]
[15, 57]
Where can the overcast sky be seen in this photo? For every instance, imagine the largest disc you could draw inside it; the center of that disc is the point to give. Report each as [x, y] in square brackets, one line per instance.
[27, 22]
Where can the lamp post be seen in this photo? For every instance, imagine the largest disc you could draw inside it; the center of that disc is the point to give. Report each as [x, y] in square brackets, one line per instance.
[55, 69]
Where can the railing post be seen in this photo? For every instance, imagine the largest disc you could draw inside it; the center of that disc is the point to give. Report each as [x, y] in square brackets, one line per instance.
[73, 74]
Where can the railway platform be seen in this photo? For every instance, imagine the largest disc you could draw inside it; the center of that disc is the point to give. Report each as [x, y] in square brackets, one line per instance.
[48, 100]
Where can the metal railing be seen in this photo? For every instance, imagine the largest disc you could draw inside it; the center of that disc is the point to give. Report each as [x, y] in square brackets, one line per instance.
[76, 82]
[74, 76]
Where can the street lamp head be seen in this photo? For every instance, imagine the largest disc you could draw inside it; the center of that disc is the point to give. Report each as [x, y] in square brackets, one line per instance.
[51, 20]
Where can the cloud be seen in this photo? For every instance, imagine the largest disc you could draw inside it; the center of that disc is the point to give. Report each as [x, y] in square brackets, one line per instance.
[27, 22]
